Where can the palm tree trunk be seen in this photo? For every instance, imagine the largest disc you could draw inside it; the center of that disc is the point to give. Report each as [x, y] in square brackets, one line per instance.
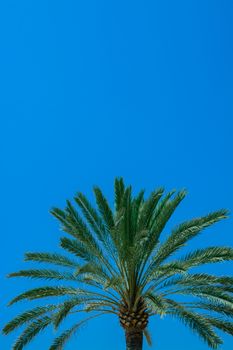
[134, 338]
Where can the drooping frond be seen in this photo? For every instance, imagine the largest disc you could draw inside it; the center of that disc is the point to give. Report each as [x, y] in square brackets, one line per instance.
[27, 316]
[59, 342]
[221, 324]
[31, 331]
[65, 309]
[226, 310]
[196, 322]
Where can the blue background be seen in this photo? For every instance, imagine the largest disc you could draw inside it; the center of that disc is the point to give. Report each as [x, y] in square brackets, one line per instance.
[96, 89]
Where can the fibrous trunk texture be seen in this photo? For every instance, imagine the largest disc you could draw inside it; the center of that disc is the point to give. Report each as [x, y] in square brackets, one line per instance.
[134, 320]
[134, 338]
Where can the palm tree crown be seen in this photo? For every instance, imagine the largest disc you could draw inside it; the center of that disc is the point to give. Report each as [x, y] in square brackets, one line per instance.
[119, 265]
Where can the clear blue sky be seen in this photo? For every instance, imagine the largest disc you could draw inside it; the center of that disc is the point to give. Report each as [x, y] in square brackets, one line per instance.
[95, 89]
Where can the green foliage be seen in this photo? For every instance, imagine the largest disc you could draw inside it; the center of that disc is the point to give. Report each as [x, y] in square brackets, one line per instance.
[119, 258]
[44, 274]
[59, 342]
[56, 259]
[198, 323]
[44, 292]
[31, 331]
[26, 317]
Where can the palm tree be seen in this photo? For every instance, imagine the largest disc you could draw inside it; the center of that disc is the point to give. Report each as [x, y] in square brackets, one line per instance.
[121, 267]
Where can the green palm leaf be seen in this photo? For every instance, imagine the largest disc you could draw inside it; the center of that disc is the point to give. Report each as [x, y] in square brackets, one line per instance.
[44, 274]
[121, 264]
[56, 259]
[27, 316]
[31, 331]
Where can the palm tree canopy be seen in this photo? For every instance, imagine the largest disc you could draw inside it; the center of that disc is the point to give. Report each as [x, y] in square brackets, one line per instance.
[119, 264]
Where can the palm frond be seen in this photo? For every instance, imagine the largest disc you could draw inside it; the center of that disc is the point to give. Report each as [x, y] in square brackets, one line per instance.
[185, 232]
[147, 211]
[119, 193]
[91, 216]
[31, 331]
[44, 292]
[51, 258]
[60, 341]
[45, 274]
[156, 303]
[221, 324]
[226, 310]
[196, 322]
[104, 208]
[27, 316]
[65, 309]
[121, 263]
[206, 256]
[211, 293]
[161, 216]
[200, 279]
[77, 248]
[81, 230]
